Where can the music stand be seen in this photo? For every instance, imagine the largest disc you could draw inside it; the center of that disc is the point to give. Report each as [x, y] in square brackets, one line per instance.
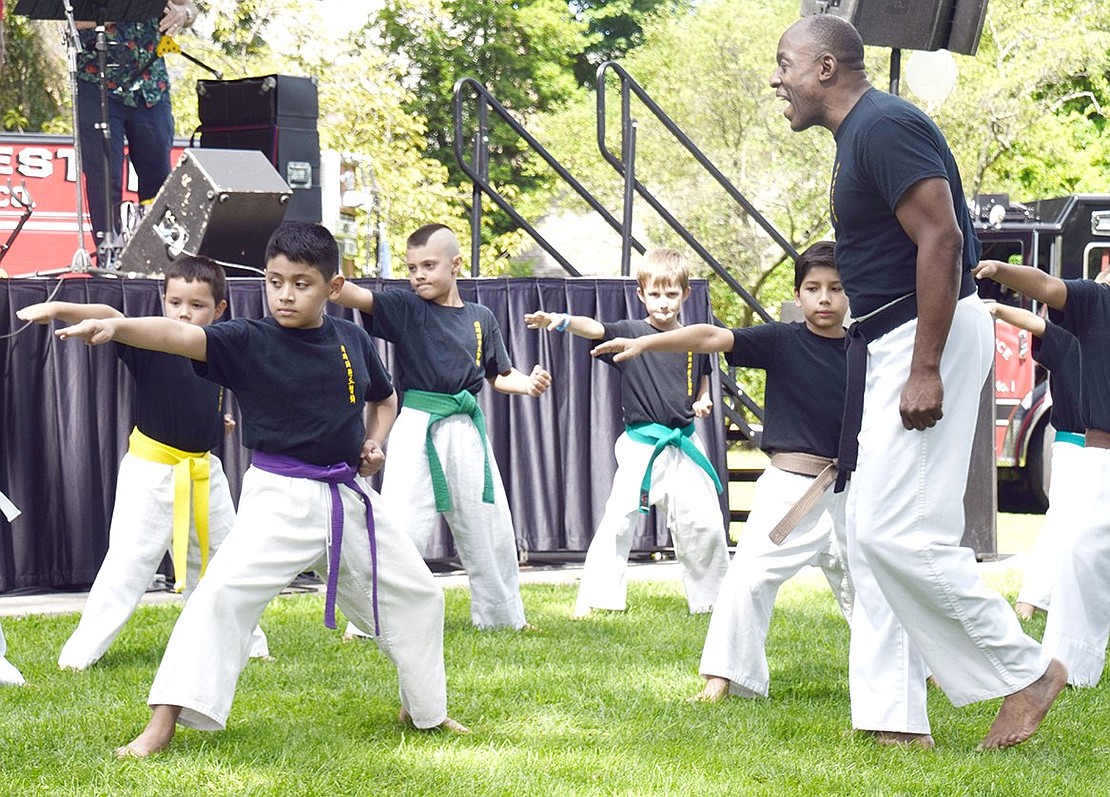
[99, 10]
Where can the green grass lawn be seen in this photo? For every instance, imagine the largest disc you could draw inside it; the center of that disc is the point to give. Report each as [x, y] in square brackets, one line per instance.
[583, 707]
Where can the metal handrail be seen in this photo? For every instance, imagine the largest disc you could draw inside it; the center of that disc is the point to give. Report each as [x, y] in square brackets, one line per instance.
[628, 87]
[479, 175]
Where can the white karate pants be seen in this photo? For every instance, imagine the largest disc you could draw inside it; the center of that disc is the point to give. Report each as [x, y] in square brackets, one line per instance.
[686, 493]
[483, 533]
[1066, 507]
[281, 530]
[918, 593]
[9, 675]
[1079, 621]
[735, 645]
[140, 534]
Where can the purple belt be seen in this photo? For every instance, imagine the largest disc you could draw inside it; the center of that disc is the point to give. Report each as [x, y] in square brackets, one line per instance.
[333, 476]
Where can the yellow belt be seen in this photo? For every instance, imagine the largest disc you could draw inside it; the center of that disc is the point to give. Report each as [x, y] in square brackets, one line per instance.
[188, 469]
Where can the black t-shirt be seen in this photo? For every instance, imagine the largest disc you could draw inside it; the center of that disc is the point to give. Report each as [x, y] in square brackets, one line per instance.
[439, 349]
[806, 382]
[1087, 316]
[302, 391]
[1058, 351]
[658, 386]
[172, 404]
[884, 146]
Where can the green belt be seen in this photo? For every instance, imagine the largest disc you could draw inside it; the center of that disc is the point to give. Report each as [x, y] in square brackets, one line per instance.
[440, 406]
[1075, 438]
[660, 436]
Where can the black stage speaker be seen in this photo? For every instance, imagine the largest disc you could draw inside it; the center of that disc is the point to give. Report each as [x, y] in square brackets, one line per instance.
[222, 203]
[902, 24]
[967, 26]
[276, 115]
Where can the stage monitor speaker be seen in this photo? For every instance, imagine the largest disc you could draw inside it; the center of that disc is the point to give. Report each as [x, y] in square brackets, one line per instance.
[222, 203]
[967, 26]
[902, 24]
[277, 115]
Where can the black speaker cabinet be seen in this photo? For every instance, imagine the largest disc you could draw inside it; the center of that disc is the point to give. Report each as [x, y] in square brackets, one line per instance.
[222, 203]
[903, 24]
[276, 115]
[967, 26]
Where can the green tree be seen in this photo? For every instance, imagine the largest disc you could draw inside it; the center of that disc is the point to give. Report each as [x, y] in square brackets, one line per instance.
[31, 96]
[614, 28]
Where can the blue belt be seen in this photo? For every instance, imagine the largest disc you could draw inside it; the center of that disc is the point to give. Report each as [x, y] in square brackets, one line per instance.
[660, 436]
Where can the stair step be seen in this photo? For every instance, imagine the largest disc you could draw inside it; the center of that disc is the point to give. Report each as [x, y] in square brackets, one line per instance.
[738, 515]
[744, 474]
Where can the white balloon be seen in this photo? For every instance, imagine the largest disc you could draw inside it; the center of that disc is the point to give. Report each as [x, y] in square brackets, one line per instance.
[931, 75]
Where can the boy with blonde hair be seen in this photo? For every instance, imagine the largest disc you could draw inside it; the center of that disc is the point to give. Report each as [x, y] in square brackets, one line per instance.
[440, 459]
[168, 468]
[660, 459]
[317, 405]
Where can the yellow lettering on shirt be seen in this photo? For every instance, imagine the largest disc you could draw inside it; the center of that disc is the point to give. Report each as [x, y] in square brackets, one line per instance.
[350, 375]
[832, 193]
[690, 373]
[478, 348]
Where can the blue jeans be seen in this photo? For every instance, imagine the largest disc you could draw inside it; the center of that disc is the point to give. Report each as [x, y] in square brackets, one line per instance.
[149, 134]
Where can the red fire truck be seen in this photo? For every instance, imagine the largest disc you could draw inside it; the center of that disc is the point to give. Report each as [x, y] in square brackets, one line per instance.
[1068, 237]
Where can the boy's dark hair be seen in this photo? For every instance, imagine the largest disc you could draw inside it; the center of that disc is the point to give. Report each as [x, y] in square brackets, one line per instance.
[198, 268]
[820, 254]
[302, 242]
[424, 234]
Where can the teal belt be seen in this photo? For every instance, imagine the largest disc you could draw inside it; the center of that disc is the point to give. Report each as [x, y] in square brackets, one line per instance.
[1075, 438]
[660, 436]
[440, 406]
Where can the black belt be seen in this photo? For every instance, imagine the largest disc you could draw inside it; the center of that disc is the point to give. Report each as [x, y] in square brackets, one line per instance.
[860, 333]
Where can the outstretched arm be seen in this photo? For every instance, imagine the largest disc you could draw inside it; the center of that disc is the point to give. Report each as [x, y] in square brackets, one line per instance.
[355, 296]
[698, 338]
[580, 325]
[1019, 317]
[1027, 280]
[154, 333]
[70, 312]
[515, 382]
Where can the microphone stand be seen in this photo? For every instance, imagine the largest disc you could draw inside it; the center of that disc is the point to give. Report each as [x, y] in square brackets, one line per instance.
[109, 246]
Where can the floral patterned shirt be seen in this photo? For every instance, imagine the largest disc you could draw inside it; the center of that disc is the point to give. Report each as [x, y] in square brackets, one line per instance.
[130, 45]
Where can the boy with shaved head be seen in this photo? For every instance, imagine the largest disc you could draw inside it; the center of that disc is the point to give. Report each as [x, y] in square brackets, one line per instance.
[440, 461]
[918, 356]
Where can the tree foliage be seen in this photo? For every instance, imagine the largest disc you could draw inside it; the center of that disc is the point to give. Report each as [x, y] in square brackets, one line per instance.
[31, 95]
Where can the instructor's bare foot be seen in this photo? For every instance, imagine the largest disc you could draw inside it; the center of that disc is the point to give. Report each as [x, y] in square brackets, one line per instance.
[714, 691]
[903, 739]
[156, 736]
[1023, 711]
[447, 725]
[1024, 611]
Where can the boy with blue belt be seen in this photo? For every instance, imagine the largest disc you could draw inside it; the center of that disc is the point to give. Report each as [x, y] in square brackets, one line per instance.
[303, 380]
[178, 420]
[796, 519]
[1079, 621]
[440, 460]
[659, 457]
[1057, 350]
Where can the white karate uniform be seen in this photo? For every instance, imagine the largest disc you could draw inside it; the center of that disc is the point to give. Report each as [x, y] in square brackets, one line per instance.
[1079, 621]
[281, 530]
[688, 496]
[138, 538]
[735, 645]
[1066, 507]
[9, 675]
[918, 593]
[483, 533]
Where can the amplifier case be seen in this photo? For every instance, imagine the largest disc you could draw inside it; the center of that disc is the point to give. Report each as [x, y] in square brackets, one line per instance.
[222, 203]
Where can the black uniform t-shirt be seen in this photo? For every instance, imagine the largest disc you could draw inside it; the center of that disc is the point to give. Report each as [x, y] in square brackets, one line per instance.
[885, 146]
[172, 404]
[302, 391]
[806, 382]
[1058, 351]
[1087, 316]
[656, 387]
[439, 349]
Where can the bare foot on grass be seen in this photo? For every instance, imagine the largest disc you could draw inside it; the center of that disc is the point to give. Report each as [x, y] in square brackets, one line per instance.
[528, 628]
[453, 726]
[156, 736]
[714, 691]
[1024, 611]
[1023, 711]
[902, 739]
